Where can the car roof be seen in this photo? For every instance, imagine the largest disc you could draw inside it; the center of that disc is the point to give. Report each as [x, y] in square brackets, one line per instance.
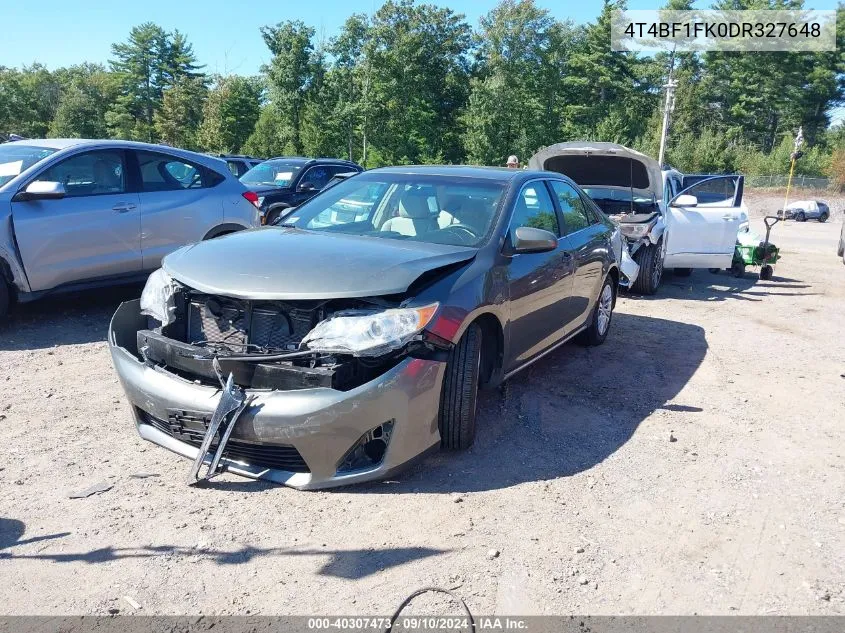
[52, 143]
[305, 159]
[501, 174]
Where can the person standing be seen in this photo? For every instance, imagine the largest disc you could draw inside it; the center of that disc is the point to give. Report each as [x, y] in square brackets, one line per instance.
[513, 162]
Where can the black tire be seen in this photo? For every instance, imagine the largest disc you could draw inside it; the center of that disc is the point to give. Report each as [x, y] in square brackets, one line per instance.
[651, 269]
[275, 212]
[682, 272]
[597, 332]
[766, 272]
[800, 217]
[823, 217]
[5, 299]
[738, 269]
[459, 394]
[715, 271]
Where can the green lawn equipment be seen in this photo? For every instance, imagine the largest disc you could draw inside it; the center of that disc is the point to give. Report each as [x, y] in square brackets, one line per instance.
[750, 251]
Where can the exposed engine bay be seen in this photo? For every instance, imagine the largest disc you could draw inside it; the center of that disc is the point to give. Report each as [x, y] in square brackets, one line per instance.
[261, 342]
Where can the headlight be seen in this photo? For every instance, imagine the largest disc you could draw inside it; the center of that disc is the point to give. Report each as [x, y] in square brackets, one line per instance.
[368, 333]
[157, 298]
[636, 231]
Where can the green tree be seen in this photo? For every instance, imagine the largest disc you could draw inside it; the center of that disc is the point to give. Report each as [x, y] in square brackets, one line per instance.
[148, 63]
[230, 113]
[87, 92]
[519, 46]
[178, 118]
[290, 75]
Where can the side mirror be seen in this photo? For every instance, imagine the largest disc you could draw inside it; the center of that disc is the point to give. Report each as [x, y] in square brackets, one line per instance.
[307, 186]
[43, 190]
[527, 239]
[684, 200]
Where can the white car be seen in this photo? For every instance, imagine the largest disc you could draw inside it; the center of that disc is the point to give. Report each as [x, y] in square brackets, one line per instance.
[668, 219]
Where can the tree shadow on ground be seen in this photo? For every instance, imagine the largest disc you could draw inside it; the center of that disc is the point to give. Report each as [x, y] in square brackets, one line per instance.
[349, 564]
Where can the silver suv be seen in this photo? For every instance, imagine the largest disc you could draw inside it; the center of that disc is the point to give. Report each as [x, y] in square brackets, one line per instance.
[77, 213]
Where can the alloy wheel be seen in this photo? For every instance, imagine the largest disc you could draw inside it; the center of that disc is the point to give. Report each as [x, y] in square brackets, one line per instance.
[605, 309]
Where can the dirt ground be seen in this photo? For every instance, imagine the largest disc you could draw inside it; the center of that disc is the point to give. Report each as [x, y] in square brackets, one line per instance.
[692, 464]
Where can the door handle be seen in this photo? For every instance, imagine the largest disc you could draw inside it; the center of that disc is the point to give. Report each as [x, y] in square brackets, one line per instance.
[729, 217]
[123, 207]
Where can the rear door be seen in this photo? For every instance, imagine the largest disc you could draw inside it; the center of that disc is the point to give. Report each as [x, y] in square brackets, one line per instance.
[539, 283]
[704, 235]
[178, 205]
[91, 233]
[587, 240]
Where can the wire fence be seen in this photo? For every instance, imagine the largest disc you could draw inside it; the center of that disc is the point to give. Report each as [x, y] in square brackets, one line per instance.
[803, 182]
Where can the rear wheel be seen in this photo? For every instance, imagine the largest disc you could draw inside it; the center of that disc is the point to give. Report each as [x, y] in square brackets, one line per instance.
[738, 269]
[596, 333]
[766, 272]
[800, 217]
[275, 212]
[823, 217]
[459, 394]
[650, 259]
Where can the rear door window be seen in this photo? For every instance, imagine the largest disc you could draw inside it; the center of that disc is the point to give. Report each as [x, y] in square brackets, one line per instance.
[160, 172]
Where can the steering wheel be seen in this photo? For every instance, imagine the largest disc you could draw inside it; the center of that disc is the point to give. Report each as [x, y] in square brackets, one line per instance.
[465, 233]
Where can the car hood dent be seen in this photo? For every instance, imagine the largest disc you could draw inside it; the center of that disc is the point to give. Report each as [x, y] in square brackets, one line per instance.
[284, 263]
[588, 165]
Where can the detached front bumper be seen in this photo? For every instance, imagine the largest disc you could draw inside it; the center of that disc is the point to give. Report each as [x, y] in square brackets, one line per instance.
[298, 438]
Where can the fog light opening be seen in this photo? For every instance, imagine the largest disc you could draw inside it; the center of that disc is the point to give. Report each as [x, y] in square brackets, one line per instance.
[369, 451]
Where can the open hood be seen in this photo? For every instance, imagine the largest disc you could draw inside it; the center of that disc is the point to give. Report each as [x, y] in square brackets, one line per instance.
[298, 264]
[607, 165]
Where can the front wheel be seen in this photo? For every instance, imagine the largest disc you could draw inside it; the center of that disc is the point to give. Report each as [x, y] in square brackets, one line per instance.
[459, 394]
[599, 326]
[650, 259]
[738, 269]
[4, 299]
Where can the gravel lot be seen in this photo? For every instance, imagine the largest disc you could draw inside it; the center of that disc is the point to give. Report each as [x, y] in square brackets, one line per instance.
[693, 464]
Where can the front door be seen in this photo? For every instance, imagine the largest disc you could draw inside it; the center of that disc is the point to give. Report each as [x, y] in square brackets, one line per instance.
[91, 233]
[703, 235]
[539, 283]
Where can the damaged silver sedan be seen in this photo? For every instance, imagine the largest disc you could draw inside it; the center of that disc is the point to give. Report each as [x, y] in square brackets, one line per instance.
[353, 338]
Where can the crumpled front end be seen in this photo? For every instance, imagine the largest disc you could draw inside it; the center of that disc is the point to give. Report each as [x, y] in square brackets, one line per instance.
[308, 421]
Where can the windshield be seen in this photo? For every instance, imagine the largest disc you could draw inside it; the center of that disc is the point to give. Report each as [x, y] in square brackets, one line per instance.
[274, 173]
[15, 158]
[434, 209]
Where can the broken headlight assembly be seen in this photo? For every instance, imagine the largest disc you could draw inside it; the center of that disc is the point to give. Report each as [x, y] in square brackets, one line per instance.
[369, 333]
[158, 297]
[636, 231]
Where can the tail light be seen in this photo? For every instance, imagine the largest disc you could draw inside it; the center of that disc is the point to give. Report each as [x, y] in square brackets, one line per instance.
[252, 197]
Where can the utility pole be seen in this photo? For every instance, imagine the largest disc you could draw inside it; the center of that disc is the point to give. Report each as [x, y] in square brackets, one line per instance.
[668, 106]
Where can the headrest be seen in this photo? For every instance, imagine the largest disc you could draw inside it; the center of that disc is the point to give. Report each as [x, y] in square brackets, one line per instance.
[414, 205]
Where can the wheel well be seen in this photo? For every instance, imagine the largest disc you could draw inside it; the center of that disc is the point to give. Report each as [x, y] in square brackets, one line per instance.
[492, 345]
[8, 279]
[223, 229]
[613, 273]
